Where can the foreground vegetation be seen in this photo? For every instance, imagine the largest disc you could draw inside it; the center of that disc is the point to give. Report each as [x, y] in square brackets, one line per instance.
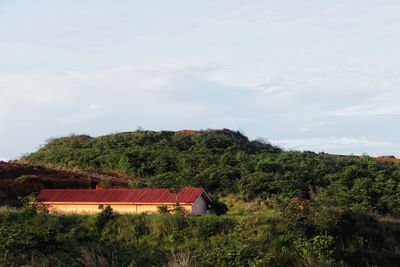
[290, 236]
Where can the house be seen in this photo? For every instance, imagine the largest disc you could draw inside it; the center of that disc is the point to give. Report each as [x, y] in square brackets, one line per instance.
[128, 201]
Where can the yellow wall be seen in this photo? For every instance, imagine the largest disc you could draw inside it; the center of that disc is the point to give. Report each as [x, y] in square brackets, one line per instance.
[119, 208]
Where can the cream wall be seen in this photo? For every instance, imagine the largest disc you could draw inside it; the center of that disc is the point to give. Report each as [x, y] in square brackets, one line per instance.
[119, 208]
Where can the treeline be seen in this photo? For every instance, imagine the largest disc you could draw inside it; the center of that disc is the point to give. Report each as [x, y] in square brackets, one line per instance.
[227, 162]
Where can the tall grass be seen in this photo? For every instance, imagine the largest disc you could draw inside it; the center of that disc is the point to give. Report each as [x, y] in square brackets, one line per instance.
[181, 259]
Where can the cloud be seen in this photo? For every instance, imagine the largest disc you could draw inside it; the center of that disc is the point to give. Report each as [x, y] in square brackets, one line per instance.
[178, 96]
[368, 110]
[4, 159]
[342, 144]
[310, 126]
[271, 68]
[38, 105]
[94, 106]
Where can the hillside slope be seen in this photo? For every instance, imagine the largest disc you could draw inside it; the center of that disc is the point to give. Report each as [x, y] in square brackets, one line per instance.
[198, 158]
[227, 162]
[21, 179]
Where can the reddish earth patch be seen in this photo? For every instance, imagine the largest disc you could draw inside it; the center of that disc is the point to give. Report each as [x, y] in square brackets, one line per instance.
[18, 179]
[387, 159]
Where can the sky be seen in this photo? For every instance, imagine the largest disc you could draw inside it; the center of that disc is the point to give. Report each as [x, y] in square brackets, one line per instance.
[302, 74]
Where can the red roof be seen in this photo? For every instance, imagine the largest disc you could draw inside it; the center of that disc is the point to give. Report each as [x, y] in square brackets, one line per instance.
[138, 196]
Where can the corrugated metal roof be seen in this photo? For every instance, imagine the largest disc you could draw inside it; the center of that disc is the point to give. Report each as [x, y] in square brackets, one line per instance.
[139, 196]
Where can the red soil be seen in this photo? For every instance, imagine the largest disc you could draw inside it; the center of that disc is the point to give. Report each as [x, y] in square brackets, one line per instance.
[387, 159]
[21, 179]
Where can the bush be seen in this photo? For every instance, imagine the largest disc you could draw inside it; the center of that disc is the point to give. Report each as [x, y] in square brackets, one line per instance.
[218, 207]
[104, 217]
[157, 240]
[178, 210]
[106, 183]
[317, 251]
[163, 209]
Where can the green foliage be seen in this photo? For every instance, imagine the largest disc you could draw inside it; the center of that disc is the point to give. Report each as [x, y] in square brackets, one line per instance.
[318, 250]
[22, 238]
[30, 207]
[104, 216]
[218, 207]
[162, 158]
[139, 227]
[163, 209]
[177, 209]
[224, 161]
[209, 225]
[106, 183]
[209, 240]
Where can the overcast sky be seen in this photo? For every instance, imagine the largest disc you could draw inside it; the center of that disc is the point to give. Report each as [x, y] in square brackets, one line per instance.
[305, 74]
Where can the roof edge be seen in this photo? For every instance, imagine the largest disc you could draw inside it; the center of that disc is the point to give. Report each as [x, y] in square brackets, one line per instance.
[115, 203]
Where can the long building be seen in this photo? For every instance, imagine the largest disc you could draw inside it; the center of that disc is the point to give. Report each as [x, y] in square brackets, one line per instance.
[194, 201]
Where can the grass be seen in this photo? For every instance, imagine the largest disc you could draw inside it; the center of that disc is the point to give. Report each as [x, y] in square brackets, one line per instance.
[8, 209]
[240, 207]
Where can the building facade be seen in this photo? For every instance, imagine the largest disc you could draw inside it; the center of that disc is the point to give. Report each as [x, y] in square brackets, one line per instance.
[194, 201]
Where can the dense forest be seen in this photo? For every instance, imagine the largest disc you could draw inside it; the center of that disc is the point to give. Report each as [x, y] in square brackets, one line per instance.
[286, 208]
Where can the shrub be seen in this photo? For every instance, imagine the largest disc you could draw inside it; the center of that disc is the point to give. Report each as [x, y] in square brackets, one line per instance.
[30, 207]
[106, 183]
[104, 216]
[163, 209]
[218, 207]
[177, 209]
[317, 251]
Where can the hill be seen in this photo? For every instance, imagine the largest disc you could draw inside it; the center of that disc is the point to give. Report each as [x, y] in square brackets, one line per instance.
[157, 159]
[226, 162]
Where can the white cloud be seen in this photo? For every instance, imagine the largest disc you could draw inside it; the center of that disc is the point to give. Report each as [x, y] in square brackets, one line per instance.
[368, 110]
[177, 96]
[310, 126]
[343, 144]
[98, 102]
[94, 106]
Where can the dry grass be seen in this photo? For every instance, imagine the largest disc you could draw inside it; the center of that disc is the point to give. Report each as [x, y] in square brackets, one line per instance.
[388, 219]
[181, 259]
[90, 258]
